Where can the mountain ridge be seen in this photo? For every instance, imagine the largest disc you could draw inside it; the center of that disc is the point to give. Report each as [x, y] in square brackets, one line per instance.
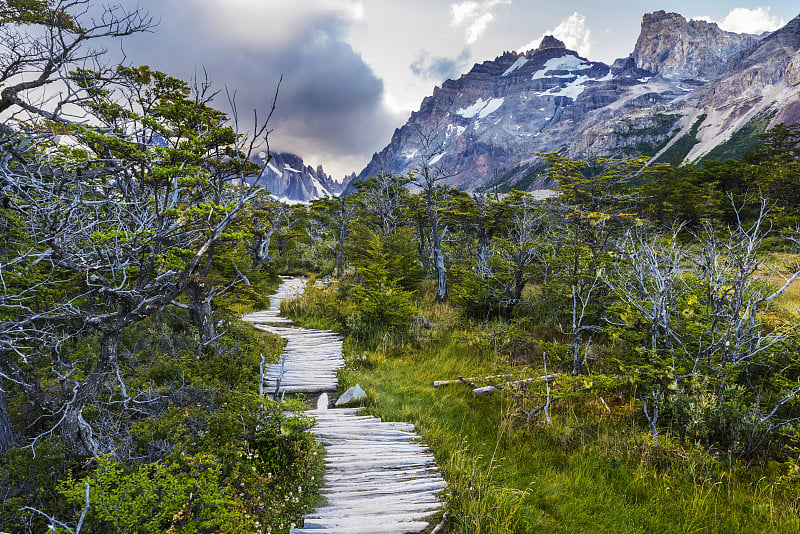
[288, 178]
[492, 120]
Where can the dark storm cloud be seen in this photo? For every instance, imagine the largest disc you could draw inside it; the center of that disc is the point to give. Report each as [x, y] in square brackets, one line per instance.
[440, 68]
[330, 101]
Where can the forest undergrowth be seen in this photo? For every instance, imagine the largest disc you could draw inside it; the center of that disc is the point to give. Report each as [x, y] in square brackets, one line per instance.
[194, 450]
[593, 467]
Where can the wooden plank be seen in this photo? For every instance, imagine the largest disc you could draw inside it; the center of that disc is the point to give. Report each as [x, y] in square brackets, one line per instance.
[379, 477]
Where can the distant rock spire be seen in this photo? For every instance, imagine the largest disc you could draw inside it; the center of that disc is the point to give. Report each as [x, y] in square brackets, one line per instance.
[550, 42]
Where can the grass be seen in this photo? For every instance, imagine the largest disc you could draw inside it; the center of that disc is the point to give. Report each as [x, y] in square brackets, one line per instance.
[566, 477]
[744, 140]
[587, 471]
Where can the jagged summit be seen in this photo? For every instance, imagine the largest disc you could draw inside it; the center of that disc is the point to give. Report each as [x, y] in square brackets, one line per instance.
[683, 76]
[550, 42]
[671, 46]
[287, 177]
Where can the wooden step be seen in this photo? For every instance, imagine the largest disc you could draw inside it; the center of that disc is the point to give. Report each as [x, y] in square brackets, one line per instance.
[379, 477]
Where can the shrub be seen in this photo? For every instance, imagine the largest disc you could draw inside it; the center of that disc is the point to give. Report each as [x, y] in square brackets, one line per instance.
[182, 495]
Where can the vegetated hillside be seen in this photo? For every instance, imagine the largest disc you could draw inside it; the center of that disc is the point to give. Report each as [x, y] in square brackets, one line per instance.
[486, 127]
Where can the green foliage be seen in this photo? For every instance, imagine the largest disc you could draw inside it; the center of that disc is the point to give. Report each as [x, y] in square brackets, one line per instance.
[682, 195]
[745, 140]
[382, 301]
[43, 12]
[28, 479]
[180, 496]
[680, 149]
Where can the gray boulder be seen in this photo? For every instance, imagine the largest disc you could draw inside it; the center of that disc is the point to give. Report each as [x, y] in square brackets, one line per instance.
[353, 394]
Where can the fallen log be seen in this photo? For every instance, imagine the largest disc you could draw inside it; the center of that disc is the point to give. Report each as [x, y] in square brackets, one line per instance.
[480, 391]
[440, 383]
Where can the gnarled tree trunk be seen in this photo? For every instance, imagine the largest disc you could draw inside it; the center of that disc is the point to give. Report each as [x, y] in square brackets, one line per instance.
[75, 431]
[260, 246]
[438, 256]
[201, 314]
[7, 439]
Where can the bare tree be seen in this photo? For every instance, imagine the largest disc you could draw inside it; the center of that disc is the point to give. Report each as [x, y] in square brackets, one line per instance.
[734, 295]
[428, 176]
[331, 220]
[703, 307]
[651, 280]
[267, 214]
[34, 65]
[383, 199]
[112, 224]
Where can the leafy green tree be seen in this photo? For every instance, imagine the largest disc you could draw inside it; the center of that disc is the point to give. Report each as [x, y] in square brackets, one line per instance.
[382, 300]
[595, 206]
[682, 195]
[118, 221]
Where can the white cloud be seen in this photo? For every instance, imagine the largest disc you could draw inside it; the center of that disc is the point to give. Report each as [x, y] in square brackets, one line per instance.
[573, 31]
[744, 20]
[464, 11]
[474, 16]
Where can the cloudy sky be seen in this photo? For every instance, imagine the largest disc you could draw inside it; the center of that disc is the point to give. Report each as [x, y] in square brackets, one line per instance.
[353, 70]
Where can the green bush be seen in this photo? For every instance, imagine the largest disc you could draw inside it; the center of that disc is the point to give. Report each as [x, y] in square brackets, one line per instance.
[164, 497]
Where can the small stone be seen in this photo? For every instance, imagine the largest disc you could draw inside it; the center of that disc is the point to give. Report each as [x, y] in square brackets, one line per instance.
[322, 402]
[353, 394]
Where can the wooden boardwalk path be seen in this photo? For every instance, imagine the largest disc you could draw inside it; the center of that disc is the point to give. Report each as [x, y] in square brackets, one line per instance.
[379, 478]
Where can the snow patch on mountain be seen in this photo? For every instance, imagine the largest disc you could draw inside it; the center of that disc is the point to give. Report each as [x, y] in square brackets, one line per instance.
[518, 64]
[435, 159]
[288, 179]
[482, 108]
[567, 63]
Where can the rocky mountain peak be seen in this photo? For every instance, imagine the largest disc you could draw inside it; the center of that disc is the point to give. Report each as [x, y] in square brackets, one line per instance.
[655, 17]
[685, 89]
[550, 42]
[287, 177]
[673, 47]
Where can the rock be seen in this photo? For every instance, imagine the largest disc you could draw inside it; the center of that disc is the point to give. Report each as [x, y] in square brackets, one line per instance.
[673, 47]
[322, 402]
[353, 394]
[287, 177]
[550, 42]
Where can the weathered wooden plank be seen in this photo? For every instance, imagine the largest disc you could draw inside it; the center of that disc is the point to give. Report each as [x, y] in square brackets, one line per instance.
[379, 478]
[377, 529]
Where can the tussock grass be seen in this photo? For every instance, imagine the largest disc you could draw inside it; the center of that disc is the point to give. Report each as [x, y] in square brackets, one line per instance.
[592, 469]
[581, 473]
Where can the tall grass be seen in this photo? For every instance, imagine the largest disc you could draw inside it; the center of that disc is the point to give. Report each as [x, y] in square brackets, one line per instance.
[593, 469]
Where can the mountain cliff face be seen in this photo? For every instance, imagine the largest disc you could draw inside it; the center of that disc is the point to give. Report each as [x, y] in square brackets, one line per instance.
[288, 178]
[673, 47]
[684, 78]
[763, 79]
